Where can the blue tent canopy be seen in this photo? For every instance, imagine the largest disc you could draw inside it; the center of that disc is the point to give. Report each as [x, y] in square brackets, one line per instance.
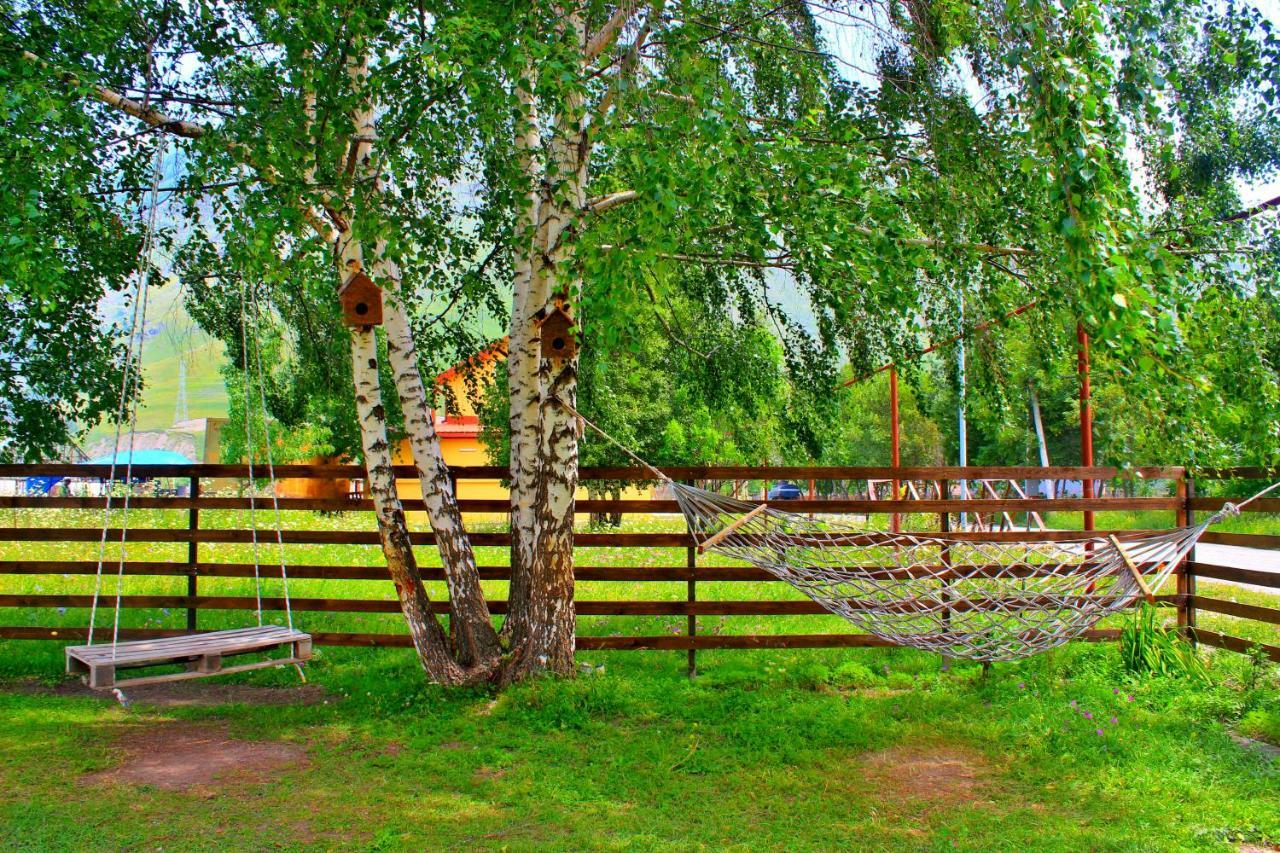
[141, 457]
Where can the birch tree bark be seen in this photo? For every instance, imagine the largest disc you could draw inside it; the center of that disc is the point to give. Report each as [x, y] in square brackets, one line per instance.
[429, 638]
[470, 624]
[523, 357]
[543, 615]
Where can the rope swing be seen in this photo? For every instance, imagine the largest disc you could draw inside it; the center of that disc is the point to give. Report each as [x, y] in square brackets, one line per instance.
[201, 654]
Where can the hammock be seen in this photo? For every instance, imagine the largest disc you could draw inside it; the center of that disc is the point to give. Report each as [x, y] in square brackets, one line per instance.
[946, 593]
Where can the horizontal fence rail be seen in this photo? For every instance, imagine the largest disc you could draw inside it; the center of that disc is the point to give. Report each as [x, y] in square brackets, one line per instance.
[674, 558]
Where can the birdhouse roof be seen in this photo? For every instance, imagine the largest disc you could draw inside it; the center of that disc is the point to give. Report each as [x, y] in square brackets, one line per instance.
[550, 311]
[358, 280]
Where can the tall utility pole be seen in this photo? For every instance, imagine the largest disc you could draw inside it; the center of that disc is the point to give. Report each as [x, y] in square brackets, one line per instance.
[1046, 486]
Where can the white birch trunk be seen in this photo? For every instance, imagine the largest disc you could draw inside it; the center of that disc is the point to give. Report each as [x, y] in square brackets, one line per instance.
[548, 636]
[523, 356]
[471, 626]
[428, 636]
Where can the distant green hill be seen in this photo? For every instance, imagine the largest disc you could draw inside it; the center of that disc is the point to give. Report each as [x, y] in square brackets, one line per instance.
[172, 336]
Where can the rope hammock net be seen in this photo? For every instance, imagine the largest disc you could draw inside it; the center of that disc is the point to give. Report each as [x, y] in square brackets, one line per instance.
[954, 593]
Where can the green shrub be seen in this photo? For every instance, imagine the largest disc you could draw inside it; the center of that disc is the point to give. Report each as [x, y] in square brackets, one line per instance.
[900, 681]
[1262, 724]
[1149, 648]
[812, 675]
[855, 675]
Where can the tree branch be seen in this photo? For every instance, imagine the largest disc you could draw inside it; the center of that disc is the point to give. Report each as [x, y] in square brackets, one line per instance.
[611, 200]
[152, 117]
[604, 37]
[1251, 212]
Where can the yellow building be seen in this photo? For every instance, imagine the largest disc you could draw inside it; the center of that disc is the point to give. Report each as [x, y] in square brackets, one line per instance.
[459, 429]
[458, 425]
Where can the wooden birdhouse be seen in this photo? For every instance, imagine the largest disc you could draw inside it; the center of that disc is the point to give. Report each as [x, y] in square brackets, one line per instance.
[361, 300]
[557, 331]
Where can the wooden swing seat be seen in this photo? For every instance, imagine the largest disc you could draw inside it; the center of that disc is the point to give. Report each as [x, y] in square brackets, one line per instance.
[202, 654]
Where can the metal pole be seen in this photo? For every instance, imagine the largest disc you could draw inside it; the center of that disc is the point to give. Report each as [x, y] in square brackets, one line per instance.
[895, 444]
[1086, 420]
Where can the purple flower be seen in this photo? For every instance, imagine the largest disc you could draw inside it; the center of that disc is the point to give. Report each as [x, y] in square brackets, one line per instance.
[1088, 715]
[1022, 686]
[1130, 699]
[1099, 731]
[1115, 690]
[1073, 703]
[1114, 721]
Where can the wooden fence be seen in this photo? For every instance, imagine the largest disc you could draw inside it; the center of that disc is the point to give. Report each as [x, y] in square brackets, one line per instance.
[942, 512]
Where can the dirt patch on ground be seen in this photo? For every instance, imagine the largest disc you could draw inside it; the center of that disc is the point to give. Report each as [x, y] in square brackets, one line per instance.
[181, 693]
[929, 775]
[186, 756]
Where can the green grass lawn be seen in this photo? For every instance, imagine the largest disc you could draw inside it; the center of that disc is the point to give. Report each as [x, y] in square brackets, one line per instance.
[812, 749]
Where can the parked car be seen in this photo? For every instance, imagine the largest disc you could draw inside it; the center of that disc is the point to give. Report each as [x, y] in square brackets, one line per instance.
[785, 491]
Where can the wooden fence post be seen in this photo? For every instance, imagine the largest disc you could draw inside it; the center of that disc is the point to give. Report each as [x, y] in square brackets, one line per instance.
[193, 554]
[1186, 576]
[691, 562]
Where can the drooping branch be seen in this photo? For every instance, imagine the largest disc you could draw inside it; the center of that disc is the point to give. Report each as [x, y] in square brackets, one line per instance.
[148, 115]
[603, 38]
[327, 222]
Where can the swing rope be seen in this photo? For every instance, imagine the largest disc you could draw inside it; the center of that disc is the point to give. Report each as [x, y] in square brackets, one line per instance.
[271, 470]
[248, 440]
[129, 387]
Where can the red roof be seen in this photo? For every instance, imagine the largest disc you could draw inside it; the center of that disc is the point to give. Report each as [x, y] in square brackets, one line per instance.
[494, 351]
[458, 426]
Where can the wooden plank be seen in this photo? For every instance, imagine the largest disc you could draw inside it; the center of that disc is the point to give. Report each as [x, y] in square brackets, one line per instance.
[1243, 540]
[584, 643]
[1238, 575]
[728, 529]
[1235, 608]
[200, 673]
[1215, 504]
[582, 540]
[181, 647]
[1235, 644]
[659, 507]
[599, 607]
[957, 571]
[719, 472]
[1133, 570]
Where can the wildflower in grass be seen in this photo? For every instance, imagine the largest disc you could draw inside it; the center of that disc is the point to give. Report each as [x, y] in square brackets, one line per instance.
[1099, 731]
[1114, 721]
[1115, 691]
[1022, 685]
[1073, 703]
[1088, 715]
